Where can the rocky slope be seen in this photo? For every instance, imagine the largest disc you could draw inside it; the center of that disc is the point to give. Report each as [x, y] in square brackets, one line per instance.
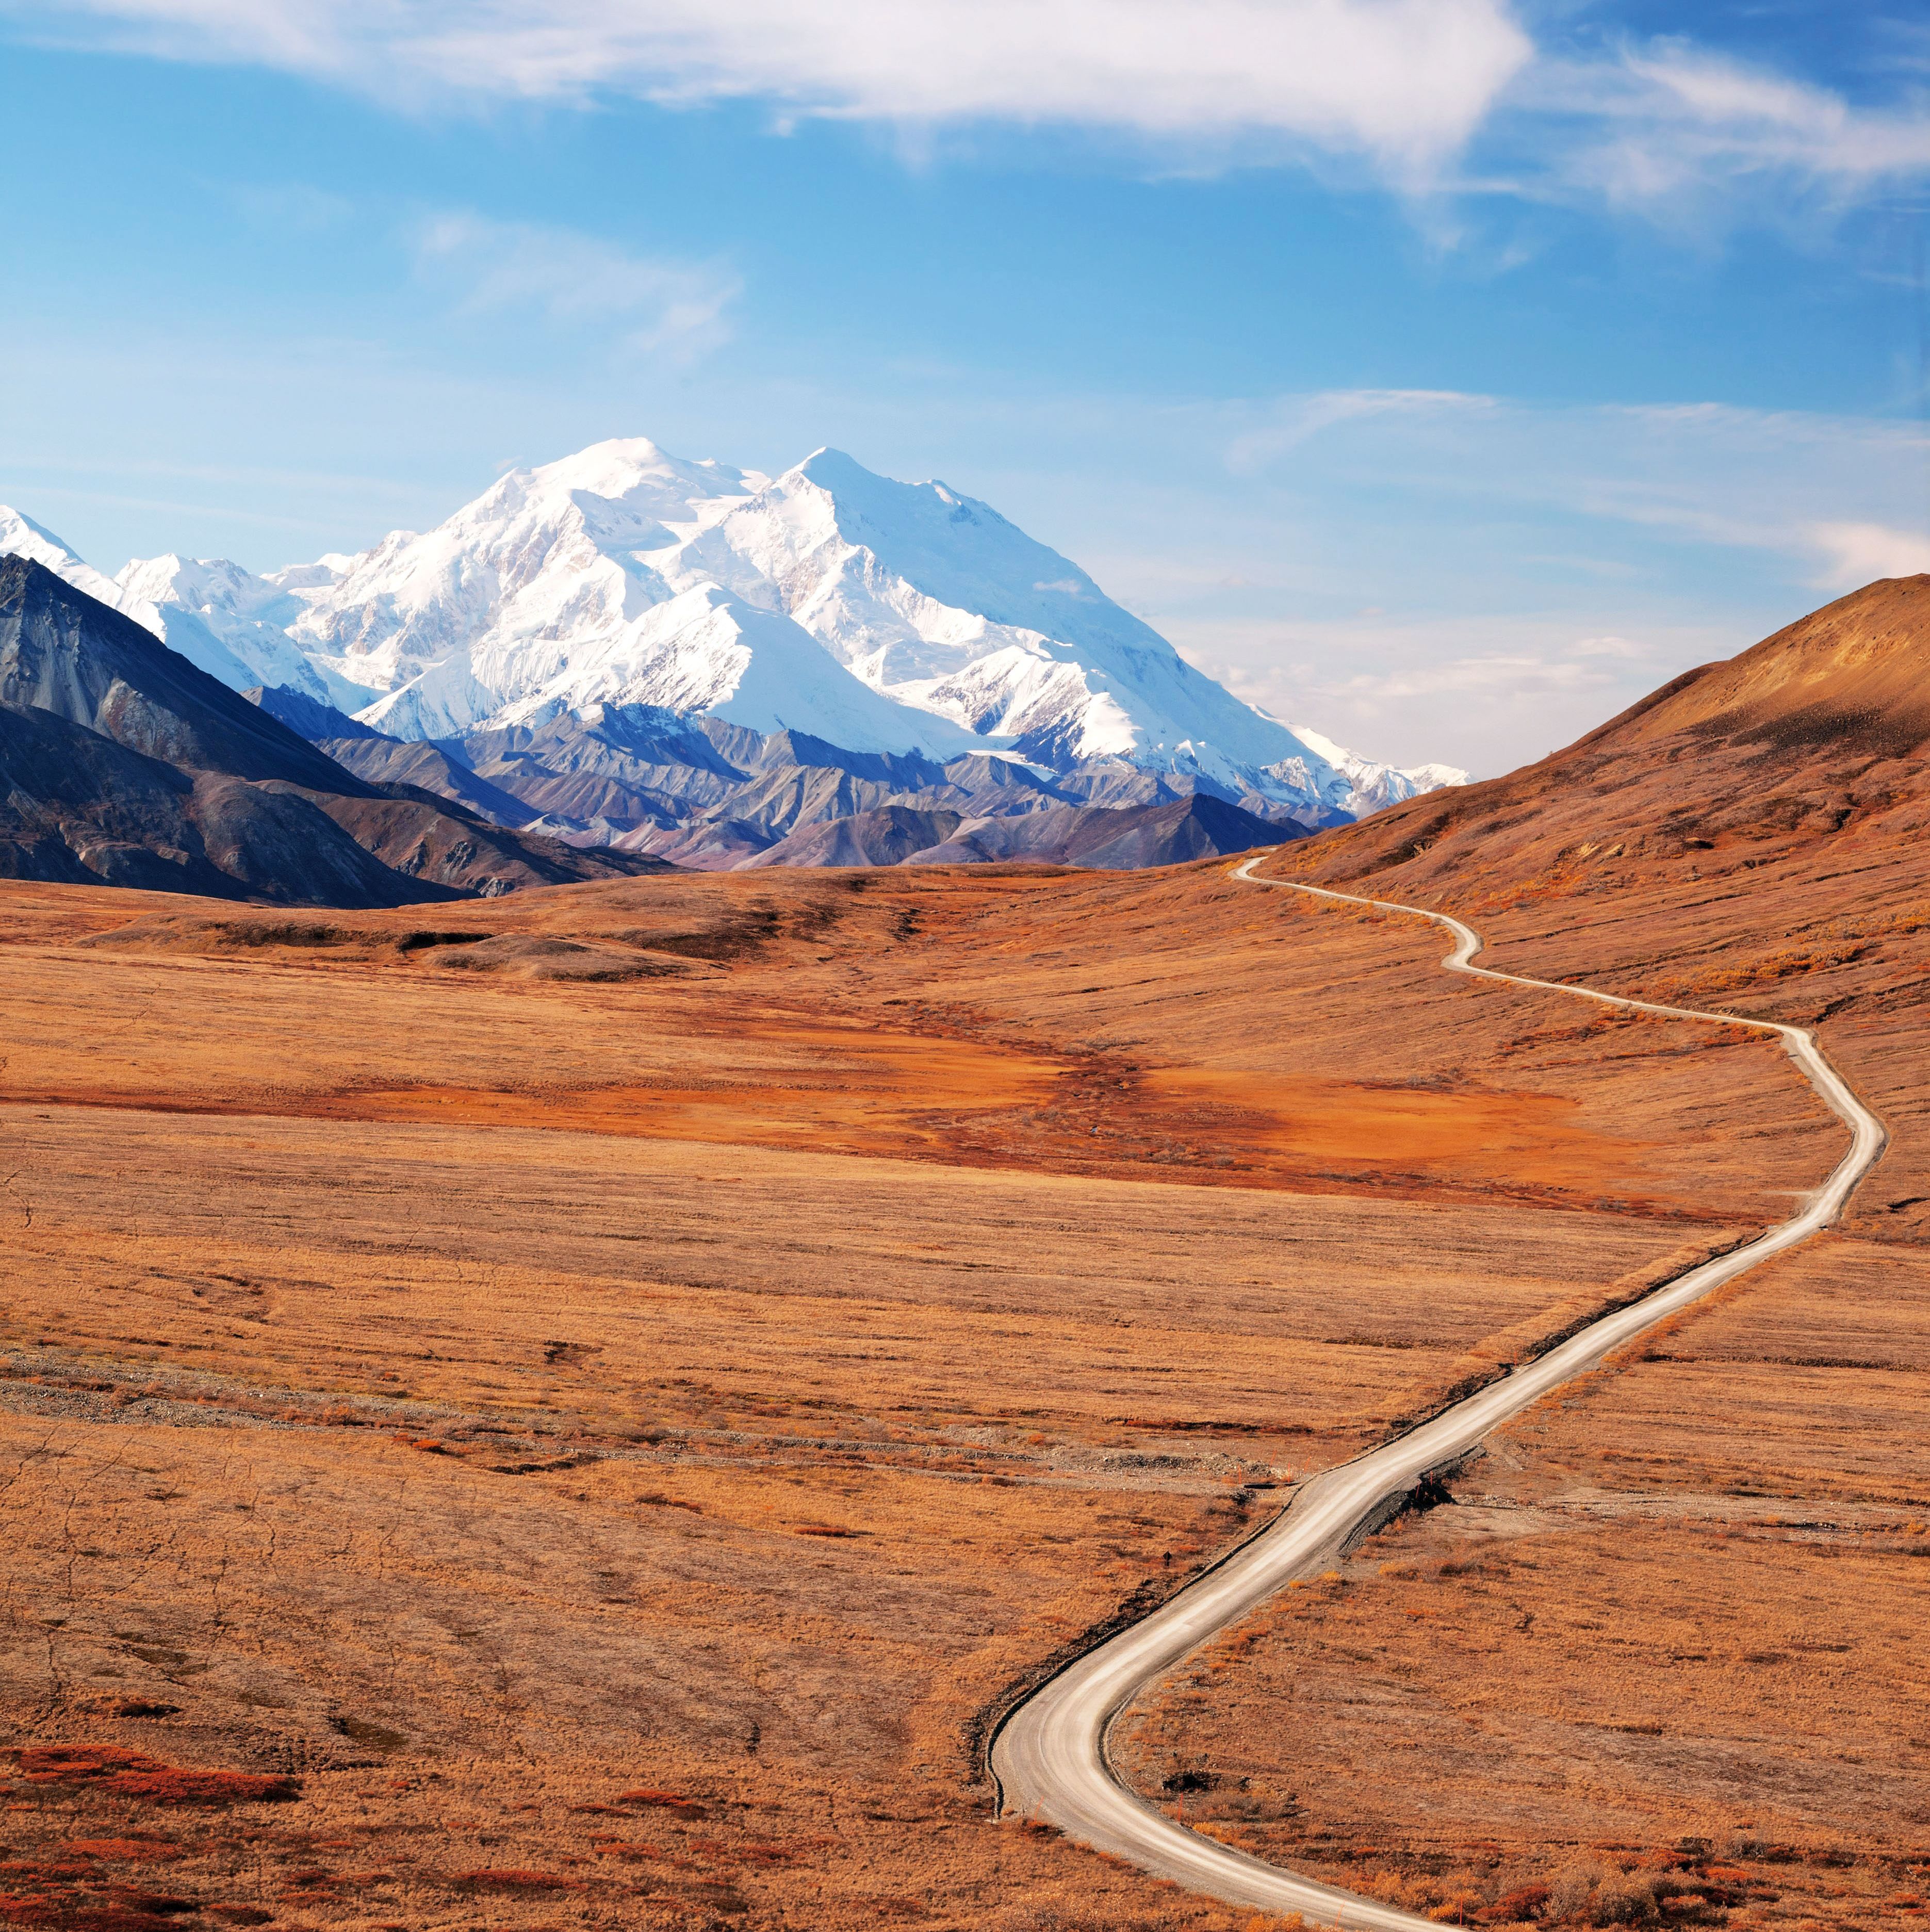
[642, 779]
[125, 764]
[1098, 837]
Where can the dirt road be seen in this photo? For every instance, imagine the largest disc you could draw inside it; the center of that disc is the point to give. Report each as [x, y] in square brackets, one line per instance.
[1050, 1757]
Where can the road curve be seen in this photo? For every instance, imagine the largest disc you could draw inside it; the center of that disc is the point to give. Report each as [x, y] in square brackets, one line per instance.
[1049, 1756]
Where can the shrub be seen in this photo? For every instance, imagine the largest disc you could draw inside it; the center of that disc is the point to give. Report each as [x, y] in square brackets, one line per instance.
[1623, 1898]
[1570, 1892]
[132, 1774]
[1518, 1907]
[167, 1784]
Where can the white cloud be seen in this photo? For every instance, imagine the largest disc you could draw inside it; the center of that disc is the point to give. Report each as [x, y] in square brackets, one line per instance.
[1513, 676]
[1669, 128]
[1856, 554]
[1485, 691]
[1838, 490]
[1294, 420]
[293, 208]
[1676, 127]
[675, 309]
[1404, 83]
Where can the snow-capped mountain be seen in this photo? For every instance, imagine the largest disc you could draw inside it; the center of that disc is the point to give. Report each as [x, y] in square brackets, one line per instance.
[21, 536]
[231, 623]
[934, 598]
[222, 619]
[869, 613]
[533, 597]
[1374, 785]
[702, 653]
[516, 584]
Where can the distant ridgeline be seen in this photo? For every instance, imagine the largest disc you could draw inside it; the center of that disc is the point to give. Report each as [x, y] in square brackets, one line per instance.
[123, 764]
[623, 650]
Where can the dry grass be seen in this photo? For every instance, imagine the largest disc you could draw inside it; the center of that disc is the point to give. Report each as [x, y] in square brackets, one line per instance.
[1661, 1662]
[610, 1441]
[1671, 1624]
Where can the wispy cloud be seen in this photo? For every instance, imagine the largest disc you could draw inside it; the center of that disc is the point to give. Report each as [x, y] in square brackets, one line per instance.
[1486, 692]
[1854, 553]
[292, 208]
[1669, 127]
[1292, 420]
[1835, 491]
[1675, 128]
[675, 309]
[1401, 82]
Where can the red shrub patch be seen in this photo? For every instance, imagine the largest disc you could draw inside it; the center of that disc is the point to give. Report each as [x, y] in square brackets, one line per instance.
[1517, 1906]
[511, 1882]
[46, 1764]
[827, 1529]
[168, 1784]
[111, 1918]
[669, 1800]
[131, 1774]
[138, 1851]
[16, 1910]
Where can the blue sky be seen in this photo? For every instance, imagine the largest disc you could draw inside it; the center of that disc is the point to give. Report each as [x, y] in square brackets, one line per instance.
[1442, 373]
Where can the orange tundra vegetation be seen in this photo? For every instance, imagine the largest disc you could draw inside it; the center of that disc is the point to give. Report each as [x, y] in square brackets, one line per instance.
[607, 1399]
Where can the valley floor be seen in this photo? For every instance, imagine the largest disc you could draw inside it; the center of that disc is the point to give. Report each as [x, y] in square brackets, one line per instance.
[597, 1399]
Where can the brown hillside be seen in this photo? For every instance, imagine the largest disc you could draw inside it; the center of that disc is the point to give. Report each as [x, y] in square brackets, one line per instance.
[604, 1388]
[578, 1409]
[1855, 672]
[1752, 837]
[1658, 1662]
[1815, 733]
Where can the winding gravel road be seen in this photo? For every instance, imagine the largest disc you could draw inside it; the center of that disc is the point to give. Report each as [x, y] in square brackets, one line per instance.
[1049, 1756]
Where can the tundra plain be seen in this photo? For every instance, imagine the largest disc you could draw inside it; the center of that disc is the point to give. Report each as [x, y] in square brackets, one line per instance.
[596, 1397]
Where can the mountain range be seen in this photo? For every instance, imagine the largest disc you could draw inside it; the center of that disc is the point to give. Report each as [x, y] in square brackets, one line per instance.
[632, 648]
[122, 763]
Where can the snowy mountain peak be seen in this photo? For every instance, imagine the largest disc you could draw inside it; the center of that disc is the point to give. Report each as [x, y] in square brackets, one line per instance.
[873, 614]
[21, 536]
[934, 598]
[216, 614]
[633, 472]
[204, 583]
[706, 651]
[545, 559]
